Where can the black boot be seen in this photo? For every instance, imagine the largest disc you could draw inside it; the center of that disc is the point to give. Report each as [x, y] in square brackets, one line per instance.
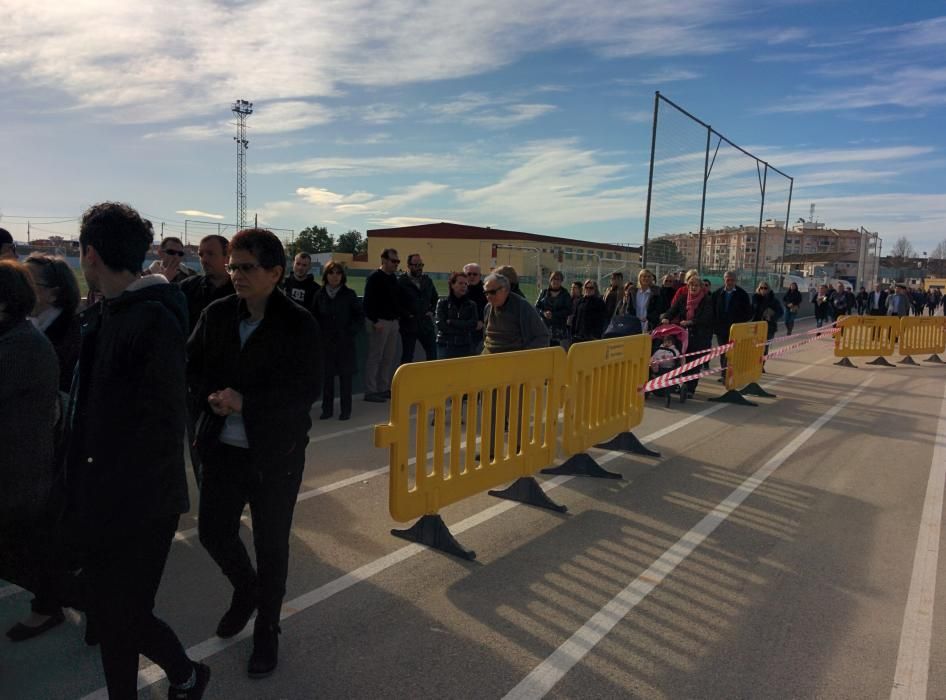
[242, 606]
[195, 692]
[265, 654]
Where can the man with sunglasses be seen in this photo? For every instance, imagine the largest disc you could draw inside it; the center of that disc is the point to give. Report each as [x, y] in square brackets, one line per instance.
[420, 304]
[382, 310]
[511, 322]
[255, 363]
[170, 262]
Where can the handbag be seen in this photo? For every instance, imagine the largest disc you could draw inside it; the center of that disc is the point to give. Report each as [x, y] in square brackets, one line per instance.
[622, 325]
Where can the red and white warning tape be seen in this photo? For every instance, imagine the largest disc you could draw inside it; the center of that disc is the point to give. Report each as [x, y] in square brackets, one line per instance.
[665, 380]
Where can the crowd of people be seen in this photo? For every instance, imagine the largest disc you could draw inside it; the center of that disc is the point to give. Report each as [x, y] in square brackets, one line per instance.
[99, 402]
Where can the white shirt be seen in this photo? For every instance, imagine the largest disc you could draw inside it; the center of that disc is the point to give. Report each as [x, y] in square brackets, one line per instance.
[46, 318]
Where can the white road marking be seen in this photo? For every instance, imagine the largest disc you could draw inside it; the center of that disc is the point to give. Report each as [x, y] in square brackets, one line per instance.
[544, 676]
[913, 659]
[151, 674]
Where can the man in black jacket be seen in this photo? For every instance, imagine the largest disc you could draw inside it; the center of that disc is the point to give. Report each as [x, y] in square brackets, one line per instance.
[420, 303]
[474, 291]
[125, 482]
[877, 301]
[301, 286]
[255, 362]
[382, 309]
[200, 291]
[731, 304]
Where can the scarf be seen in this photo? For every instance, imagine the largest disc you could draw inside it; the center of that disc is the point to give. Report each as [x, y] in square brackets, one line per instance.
[693, 302]
[332, 292]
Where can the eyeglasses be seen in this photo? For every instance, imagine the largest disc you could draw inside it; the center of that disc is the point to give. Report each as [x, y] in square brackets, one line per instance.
[245, 268]
[491, 292]
[472, 274]
[178, 253]
[396, 261]
[421, 265]
[763, 289]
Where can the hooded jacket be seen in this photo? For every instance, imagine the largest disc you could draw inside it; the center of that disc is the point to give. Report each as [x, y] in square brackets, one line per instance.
[125, 450]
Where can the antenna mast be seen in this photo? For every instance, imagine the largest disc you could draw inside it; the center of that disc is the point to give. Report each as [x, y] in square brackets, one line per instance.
[242, 109]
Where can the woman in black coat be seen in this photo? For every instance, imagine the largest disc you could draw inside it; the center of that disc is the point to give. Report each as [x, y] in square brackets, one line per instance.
[591, 315]
[765, 307]
[57, 300]
[457, 320]
[555, 306]
[792, 301]
[693, 311]
[339, 313]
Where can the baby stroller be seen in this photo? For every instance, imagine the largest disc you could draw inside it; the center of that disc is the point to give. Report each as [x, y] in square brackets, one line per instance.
[669, 347]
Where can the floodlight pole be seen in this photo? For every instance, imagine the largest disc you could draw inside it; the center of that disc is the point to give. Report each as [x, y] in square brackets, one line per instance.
[650, 179]
[242, 109]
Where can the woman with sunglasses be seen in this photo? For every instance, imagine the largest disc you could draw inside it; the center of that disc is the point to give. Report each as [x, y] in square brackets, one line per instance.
[591, 314]
[57, 300]
[340, 316]
[765, 307]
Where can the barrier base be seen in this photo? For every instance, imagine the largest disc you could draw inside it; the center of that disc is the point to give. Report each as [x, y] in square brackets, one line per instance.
[732, 396]
[907, 361]
[754, 389]
[846, 362]
[881, 362]
[527, 490]
[582, 465]
[431, 530]
[627, 442]
[934, 358]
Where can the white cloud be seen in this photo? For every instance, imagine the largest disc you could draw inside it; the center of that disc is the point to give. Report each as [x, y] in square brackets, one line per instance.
[642, 116]
[399, 221]
[669, 75]
[364, 203]
[272, 118]
[488, 111]
[511, 115]
[786, 36]
[163, 62]
[198, 212]
[422, 162]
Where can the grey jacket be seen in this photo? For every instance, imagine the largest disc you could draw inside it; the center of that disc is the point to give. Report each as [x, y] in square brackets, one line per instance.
[533, 331]
[29, 406]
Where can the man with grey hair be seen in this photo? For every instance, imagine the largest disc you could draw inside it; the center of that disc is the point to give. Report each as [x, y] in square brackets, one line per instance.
[731, 304]
[475, 292]
[510, 322]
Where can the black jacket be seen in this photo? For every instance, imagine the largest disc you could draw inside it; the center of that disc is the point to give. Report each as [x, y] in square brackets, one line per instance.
[456, 321]
[200, 292]
[879, 309]
[302, 292]
[278, 371]
[590, 319]
[418, 302]
[340, 320]
[66, 338]
[740, 309]
[656, 305]
[792, 296]
[767, 308]
[125, 452]
[559, 304]
[843, 303]
[382, 297]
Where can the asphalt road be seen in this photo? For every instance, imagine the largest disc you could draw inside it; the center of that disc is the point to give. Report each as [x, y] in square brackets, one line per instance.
[771, 552]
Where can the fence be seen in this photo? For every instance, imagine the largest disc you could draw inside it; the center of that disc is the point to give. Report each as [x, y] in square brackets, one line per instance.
[708, 200]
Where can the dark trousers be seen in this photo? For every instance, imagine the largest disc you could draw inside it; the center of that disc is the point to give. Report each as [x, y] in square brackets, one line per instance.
[231, 480]
[328, 394]
[722, 337]
[120, 585]
[449, 352]
[698, 342]
[427, 340]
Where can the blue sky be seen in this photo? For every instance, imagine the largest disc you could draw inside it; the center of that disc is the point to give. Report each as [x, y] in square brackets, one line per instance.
[533, 116]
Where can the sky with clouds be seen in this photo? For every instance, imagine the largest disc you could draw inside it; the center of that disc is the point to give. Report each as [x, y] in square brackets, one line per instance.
[533, 116]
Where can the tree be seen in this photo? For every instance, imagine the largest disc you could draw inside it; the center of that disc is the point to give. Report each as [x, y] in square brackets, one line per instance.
[350, 242]
[902, 249]
[664, 252]
[313, 239]
[939, 251]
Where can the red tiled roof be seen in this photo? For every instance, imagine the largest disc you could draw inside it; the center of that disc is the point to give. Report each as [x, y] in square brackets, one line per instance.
[479, 233]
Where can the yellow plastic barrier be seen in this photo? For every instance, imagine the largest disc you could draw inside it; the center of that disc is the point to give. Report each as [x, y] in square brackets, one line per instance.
[744, 360]
[603, 399]
[863, 336]
[470, 450]
[921, 335]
